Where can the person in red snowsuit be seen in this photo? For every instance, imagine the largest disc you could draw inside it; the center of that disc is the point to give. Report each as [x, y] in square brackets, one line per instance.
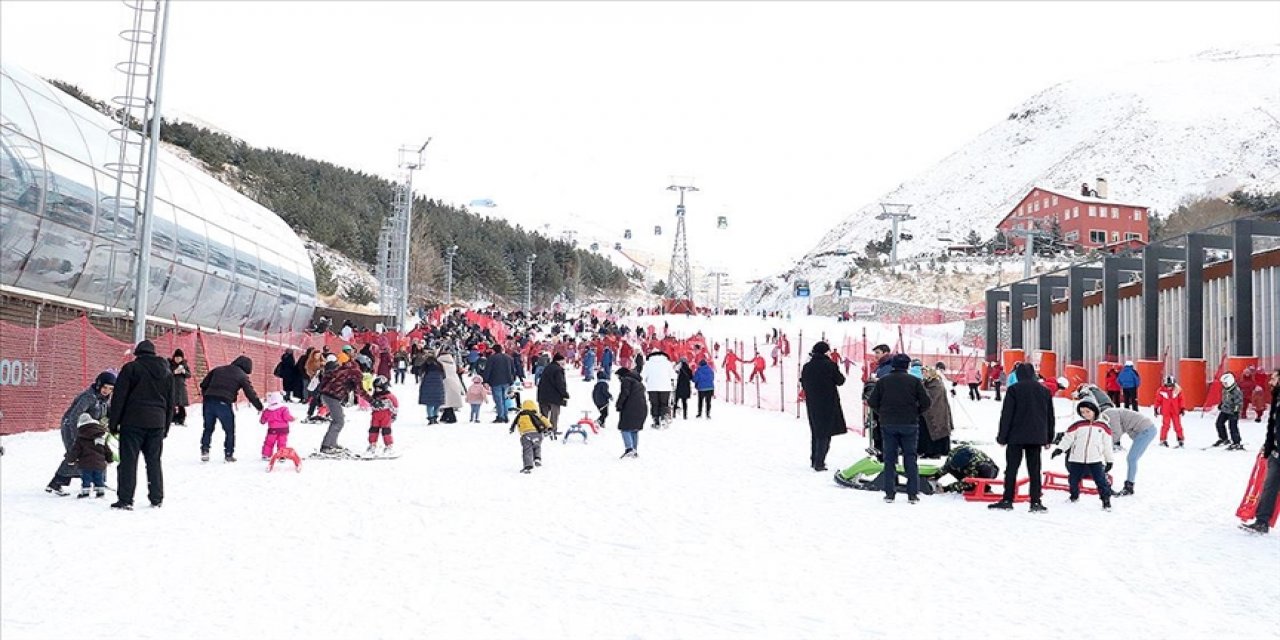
[731, 366]
[1170, 406]
[758, 369]
[835, 357]
[1256, 393]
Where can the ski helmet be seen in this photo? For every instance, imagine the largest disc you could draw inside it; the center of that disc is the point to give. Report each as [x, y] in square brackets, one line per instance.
[1063, 383]
[1090, 405]
[1168, 381]
[380, 383]
[1228, 379]
[364, 362]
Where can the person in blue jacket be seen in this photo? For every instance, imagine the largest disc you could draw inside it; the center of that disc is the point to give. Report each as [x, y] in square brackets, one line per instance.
[704, 381]
[606, 361]
[589, 364]
[1129, 382]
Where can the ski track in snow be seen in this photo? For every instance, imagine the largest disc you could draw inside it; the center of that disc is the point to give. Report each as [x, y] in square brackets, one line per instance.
[718, 530]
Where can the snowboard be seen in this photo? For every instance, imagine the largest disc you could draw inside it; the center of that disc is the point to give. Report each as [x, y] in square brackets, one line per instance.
[1249, 503]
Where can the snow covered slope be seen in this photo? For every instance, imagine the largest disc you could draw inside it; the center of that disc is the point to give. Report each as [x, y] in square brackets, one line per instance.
[1157, 132]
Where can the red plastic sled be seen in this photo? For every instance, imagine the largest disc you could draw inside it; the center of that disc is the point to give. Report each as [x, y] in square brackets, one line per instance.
[1249, 504]
[992, 490]
[1058, 482]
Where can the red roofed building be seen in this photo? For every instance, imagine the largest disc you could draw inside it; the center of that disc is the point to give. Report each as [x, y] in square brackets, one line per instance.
[1087, 221]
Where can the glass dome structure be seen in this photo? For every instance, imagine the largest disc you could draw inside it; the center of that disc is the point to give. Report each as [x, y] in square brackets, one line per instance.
[218, 259]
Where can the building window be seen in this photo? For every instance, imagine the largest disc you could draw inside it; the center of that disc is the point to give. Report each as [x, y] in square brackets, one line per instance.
[1046, 203]
[1055, 200]
[1075, 212]
[1019, 209]
[1097, 237]
[1035, 206]
[1115, 236]
[1137, 215]
[1133, 236]
[1115, 213]
[1071, 236]
[1093, 211]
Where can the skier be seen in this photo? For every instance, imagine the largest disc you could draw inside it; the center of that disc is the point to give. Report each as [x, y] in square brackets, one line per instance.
[1141, 431]
[277, 418]
[632, 410]
[91, 455]
[220, 388]
[1087, 444]
[334, 390]
[385, 407]
[1026, 426]
[1129, 381]
[704, 380]
[757, 369]
[93, 401]
[531, 425]
[1229, 413]
[731, 366]
[1170, 407]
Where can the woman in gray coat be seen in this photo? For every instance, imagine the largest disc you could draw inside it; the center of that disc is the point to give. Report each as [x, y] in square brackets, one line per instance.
[93, 401]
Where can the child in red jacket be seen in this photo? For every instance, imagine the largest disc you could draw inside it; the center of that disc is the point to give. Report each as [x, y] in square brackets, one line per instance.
[385, 407]
[1169, 406]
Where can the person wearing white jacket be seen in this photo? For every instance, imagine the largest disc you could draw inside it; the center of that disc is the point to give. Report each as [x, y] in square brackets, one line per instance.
[1087, 444]
[659, 376]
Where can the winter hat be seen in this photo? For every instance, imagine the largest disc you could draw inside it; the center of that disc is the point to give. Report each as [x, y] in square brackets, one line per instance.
[941, 366]
[1063, 383]
[106, 377]
[900, 361]
[1228, 379]
[820, 347]
[601, 375]
[348, 348]
[85, 419]
[622, 371]
[331, 358]
[559, 357]
[144, 348]
[177, 353]
[1128, 363]
[275, 400]
[1088, 404]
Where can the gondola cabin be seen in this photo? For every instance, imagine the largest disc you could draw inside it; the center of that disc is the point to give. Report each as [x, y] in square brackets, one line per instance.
[722, 222]
[657, 230]
[626, 235]
[595, 246]
[802, 288]
[844, 288]
[617, 246]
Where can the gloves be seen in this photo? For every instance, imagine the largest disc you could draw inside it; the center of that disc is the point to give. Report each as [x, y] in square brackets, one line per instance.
[1056, 453]
[1058, 438]
[1184, 412]
[1117, 447]
[1107, 467]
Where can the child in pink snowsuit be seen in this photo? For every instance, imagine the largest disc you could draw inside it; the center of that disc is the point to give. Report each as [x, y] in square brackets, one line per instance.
[277, 418]
[476, 396]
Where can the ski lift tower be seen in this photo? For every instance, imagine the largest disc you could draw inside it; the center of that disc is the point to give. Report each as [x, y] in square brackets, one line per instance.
[897, 213]
[680, 280]
[1030, 233]
[393, 294]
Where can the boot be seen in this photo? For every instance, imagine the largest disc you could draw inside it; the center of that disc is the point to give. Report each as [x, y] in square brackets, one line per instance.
[1106, 503]
[1164, 443]
[1219, 443]
[1258, 526]
[1038, 507]
[84, 493]
[229, 458]
[123, 506]
[99, 492]
[1181, 443]
[204, 456]
[1127, 490]
[1003, 505]
[55, 490]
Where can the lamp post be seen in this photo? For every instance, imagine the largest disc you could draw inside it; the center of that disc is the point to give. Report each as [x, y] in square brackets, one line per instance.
[897, 213]
[448, 280]
[528, 282]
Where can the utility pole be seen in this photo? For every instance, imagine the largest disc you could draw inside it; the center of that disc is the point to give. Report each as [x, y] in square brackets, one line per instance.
[528, 283]
[449, 255]
[717, 275]
[896, 213]
[1030, 234]
[680, 280]
[394, 289]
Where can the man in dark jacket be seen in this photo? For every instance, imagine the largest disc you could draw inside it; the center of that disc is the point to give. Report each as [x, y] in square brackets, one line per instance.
[220, 388]
[499, 373]
[819, 379]
[141, 408]
[1026, 427]
[633, 408]
[553, 391]
[899, 399]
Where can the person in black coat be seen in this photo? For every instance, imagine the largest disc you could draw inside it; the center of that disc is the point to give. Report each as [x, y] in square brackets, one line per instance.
[819, 379]
[220, 388]
[181, 373]
[141, 407]
[684, 388]
[899, 399]
[633, 408]
[553, 391]
[1026, 427]
[287, 371]
[431, 389]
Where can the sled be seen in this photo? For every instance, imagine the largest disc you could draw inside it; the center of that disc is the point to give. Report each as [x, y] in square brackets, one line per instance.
[1058, 482]
[1248, 509]
[992, 490]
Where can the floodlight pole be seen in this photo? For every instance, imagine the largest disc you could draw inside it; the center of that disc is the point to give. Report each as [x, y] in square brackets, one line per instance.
[528, 283]
[896, 213]
[449, 255]
[717, 275]
[143, 277]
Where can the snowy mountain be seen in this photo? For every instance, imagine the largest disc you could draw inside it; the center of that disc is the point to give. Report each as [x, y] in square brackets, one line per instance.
[1157, 132]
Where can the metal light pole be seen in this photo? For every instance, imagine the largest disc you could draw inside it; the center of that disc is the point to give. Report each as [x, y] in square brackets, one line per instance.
[449, 254]
[717, 275]
[1030, 234]
[897, 213]
[143, 281]
[528, 282]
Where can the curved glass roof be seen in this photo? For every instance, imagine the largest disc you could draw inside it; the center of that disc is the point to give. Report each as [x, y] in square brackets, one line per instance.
[219, 259]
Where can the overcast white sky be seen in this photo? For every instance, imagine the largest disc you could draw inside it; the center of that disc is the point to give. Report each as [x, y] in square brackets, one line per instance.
[790, 115]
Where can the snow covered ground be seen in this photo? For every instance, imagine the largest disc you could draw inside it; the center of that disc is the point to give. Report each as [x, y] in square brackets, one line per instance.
[718, 530]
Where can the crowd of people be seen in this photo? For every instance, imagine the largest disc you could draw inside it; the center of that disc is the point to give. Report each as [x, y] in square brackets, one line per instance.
[457, 362]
